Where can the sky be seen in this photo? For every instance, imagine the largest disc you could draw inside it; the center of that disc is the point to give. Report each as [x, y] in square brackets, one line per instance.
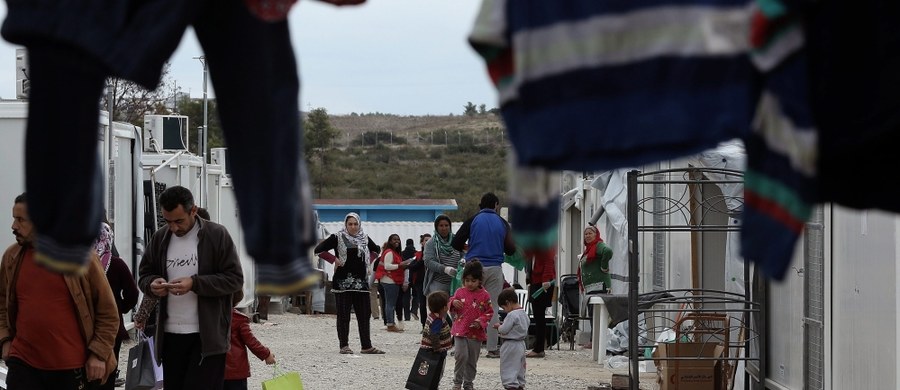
[404, 57]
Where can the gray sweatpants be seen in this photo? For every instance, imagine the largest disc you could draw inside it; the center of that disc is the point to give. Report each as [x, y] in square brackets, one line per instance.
[512, 363]
[466, 352]
[493, 283]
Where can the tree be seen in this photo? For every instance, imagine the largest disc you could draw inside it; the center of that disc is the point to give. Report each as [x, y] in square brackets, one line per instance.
[193, 109]
[470, 109]
[318, 133]
[482, 109]
[131, 101]
[318, 139]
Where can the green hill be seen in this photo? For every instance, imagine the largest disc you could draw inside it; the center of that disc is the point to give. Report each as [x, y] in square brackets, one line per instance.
[379, 156]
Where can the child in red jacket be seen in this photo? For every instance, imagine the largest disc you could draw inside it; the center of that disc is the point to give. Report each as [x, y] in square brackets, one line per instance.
[237, 365]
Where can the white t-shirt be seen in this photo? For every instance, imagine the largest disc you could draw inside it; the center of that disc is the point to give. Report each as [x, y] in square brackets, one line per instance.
[181, 261]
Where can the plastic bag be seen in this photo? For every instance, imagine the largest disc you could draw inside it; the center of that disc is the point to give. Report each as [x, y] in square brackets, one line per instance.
[457, 280]
[517, 259]
[286, 381]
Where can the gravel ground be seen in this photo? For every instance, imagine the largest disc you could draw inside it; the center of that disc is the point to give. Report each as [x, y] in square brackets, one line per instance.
[308, 344]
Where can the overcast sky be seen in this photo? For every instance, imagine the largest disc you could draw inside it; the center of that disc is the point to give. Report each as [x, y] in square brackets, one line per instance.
[407, 57]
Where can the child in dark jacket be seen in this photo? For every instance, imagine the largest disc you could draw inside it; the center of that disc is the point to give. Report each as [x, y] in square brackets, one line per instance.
[237, 365]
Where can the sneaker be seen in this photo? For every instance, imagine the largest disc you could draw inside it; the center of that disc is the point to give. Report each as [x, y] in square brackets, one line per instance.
[493, 354]
[394, 328]
[532, 354]
[120, 382]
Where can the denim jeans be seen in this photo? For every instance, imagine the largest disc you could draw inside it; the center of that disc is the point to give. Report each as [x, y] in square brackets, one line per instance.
[391, 292]
[253, 69]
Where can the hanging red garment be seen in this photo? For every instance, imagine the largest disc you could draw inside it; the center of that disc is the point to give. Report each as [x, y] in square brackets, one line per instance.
[270, 10]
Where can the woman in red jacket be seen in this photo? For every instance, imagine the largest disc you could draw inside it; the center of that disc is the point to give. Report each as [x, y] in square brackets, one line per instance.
[543, 276]
[237, 365]
[391, 274]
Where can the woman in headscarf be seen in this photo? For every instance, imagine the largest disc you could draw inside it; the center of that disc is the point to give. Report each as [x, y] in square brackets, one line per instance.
[350, 283]
[440, 258]
[123, 287]
[391, 275]
[593, 267]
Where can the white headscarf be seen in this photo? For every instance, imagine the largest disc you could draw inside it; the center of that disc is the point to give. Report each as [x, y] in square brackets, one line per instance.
[360, 240]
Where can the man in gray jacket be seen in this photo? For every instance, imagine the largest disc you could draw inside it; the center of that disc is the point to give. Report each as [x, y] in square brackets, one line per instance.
[193, 266]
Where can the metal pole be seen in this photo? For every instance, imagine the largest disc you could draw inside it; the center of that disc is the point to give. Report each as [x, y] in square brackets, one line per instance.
[633, 280]
[110, 95]
[205, 133]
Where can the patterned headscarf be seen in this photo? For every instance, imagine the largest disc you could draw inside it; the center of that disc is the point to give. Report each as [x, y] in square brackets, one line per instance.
[103, 245]
[360, 240]
[443, 246]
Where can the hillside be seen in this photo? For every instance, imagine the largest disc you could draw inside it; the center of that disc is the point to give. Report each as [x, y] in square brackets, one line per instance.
[424, 157]
[417, 129]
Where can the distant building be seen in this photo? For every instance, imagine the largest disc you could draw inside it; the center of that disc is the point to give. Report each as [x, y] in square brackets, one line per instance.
[382, 217]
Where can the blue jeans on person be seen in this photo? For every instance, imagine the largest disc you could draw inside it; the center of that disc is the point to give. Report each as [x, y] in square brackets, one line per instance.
[391, 292]
[252, 67]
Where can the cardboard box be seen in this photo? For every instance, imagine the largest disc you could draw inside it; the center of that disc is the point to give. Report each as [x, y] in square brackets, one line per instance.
[689, 374]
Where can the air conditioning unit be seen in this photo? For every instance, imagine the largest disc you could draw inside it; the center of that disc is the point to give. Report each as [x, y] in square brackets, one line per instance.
[23, 79]
[165, 133]
[219, 156]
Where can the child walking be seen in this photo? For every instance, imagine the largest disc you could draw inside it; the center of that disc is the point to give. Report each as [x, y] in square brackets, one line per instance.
[472, 311]
[513, 330]
[435, 337]
[436, 334]
[237, 365]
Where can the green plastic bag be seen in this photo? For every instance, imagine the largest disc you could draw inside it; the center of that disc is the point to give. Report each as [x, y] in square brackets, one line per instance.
[457, 280]
[516, 260]
[286, 381]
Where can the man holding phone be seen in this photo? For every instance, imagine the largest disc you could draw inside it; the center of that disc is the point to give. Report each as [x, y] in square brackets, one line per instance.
[193, 266]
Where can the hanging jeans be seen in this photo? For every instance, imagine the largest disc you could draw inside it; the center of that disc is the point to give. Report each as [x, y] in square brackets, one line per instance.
[252, 67]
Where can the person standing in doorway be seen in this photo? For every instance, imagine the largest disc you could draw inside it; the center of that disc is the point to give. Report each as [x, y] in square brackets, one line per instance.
[192, 265]
[350, 283]
[489, 237]
[56, 331]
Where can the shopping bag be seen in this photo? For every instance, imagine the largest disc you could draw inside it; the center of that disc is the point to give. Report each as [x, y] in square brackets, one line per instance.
[285, 381]
[427, 369]
[457, 280]
[140, 373]
[157, 368]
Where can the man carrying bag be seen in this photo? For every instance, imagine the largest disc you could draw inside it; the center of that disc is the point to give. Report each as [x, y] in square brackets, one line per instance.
[142, 372]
